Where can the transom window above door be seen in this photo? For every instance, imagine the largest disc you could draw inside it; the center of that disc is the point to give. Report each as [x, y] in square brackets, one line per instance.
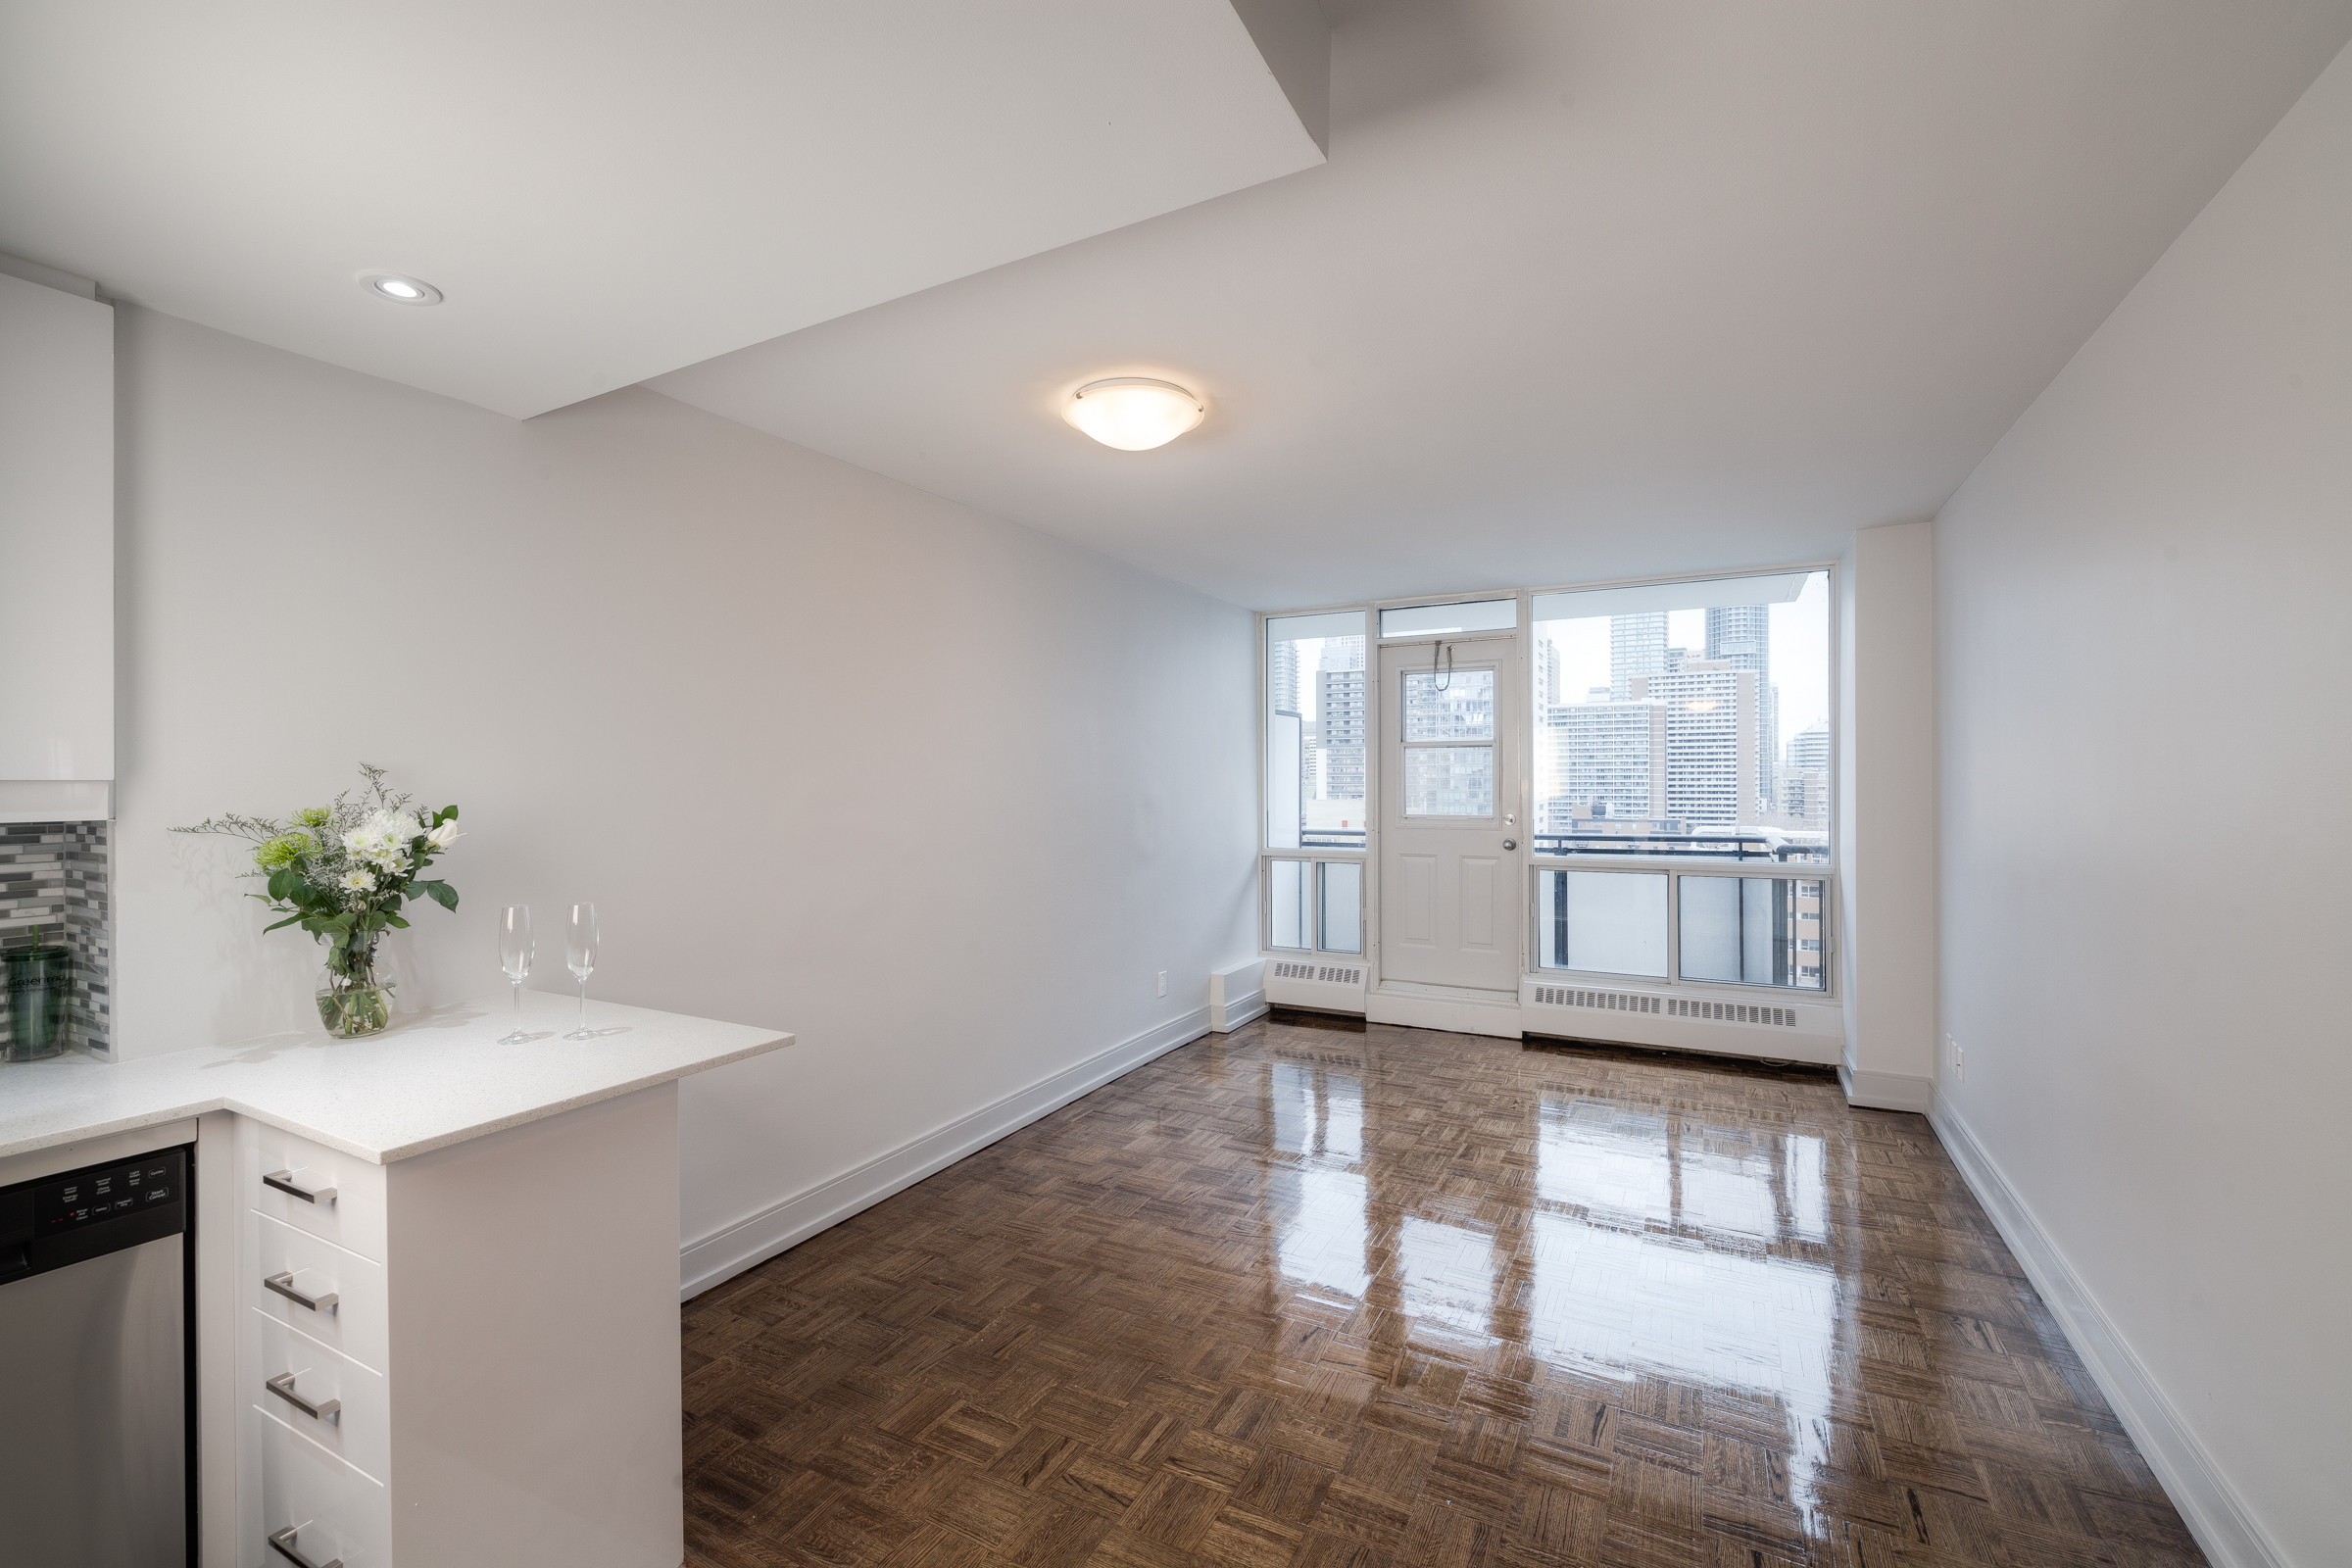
[1448, 620]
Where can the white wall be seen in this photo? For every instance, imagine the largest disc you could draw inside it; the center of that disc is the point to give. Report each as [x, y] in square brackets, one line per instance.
[2147, 841]
[1886, 813]
[830, 754]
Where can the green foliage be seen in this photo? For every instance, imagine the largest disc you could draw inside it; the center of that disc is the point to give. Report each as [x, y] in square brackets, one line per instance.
[341, 871]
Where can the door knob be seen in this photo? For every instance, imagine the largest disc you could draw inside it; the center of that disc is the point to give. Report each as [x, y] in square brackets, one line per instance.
[1510, 844]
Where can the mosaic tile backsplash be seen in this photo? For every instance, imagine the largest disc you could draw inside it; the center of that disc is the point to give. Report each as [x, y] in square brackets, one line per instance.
[53, 875]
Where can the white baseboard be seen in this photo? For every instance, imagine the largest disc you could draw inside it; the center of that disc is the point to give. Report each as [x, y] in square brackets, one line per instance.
[729, 1250]
[1499, 1019]
[1886, 1090]
[1224, 1017]
[2208, 1504]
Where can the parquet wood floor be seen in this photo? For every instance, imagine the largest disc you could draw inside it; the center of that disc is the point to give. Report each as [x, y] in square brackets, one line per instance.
[1305, 1298]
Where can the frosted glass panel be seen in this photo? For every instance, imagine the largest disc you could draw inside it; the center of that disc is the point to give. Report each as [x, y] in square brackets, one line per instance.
[1342, 907]
[1610, 922]
[1450, 705]
[1285, 900]
[1450, 781]
[1753, 931]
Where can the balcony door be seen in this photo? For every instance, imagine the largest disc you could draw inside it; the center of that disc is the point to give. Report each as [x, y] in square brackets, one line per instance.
[1450, 900]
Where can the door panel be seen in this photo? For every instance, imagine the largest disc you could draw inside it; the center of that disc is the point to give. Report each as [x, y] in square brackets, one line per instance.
[1417, 916]
[1478, 903]
[1450, 913]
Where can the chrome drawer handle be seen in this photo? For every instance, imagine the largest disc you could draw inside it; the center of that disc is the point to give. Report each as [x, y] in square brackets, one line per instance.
[283, 1181]
[282, 1385]
[283, 1285]
[283, 1542]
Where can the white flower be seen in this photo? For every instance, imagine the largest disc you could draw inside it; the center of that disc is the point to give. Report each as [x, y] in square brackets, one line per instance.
[382, 841]
[359, 881]
[442, 837]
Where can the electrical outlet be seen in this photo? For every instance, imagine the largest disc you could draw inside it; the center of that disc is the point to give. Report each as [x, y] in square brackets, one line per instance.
[1163, 982]
[1959, 1055]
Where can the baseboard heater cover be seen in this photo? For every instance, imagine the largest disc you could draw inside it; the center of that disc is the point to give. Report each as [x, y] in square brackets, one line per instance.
[1815, 1034]
[1666, 1006]
[1333, 985]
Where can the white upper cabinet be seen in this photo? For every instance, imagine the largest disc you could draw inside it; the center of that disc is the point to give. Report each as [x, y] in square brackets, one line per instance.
[57, 551]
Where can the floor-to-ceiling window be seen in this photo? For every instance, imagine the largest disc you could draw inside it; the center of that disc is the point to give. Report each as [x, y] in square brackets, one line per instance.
[1317, 731]
[1673, 766]
[1681, 779]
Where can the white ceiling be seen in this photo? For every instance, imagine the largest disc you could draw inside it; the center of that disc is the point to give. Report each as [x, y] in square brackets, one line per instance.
[604, 189]
[1585, 290]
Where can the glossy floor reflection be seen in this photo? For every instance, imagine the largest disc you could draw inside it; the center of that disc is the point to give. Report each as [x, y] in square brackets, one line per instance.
[1313, 1296]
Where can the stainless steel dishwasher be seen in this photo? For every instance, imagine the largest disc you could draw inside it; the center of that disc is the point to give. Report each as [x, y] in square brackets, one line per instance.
[94, 1312]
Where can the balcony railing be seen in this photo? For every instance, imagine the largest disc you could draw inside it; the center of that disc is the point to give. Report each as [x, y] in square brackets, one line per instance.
[1698, 845]
[1764, 847]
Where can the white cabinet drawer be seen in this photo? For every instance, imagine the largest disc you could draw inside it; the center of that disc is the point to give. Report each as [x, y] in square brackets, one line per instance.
[353, 1217]
[282, 1263]
[336, 1513]
[358, 1430]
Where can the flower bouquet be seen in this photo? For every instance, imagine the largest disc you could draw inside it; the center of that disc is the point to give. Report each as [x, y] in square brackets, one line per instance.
[341, 871]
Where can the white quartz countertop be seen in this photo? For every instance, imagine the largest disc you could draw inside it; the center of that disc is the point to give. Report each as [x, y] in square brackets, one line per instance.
[430, 1080]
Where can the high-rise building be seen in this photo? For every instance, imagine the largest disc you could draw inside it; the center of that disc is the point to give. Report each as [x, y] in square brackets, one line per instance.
[1740, 637]
[1340, 720]
[1809, 750]
[1282, 676]
[1547, 677]
[1604, 759]
[1804, 780]
[1636, 648]
[1711, 730]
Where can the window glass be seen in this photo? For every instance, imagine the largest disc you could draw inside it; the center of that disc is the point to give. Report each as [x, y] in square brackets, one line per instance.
[1450, 705]
[1286, 903]
[1443, 621]
[1611, 922]
[1752, 931]
[1685, 718]
[1341, 905]
[1316, 731]
[1450, 781]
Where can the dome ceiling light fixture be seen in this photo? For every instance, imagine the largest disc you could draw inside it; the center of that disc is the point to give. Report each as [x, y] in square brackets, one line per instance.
[400, 290]
[1134, 413]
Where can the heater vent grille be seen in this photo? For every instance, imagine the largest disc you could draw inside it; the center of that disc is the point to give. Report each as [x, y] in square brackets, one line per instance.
[1668, 1007]
[1326, 973]
[1734, 1012]
[1606, 1001]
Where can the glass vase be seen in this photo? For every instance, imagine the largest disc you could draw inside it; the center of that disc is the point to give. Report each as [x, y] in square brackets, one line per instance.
[41, 1003]
[353, 1004]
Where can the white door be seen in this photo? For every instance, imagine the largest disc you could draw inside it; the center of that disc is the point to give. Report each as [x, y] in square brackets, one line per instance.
[1449, 899]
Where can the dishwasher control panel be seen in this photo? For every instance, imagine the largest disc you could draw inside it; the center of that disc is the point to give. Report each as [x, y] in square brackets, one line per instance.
[58, 1220]
[108, 1192]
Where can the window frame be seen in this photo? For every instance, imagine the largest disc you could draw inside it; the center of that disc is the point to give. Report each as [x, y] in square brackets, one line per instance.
[1676, 869]
[1827, 871]
[1314, 861]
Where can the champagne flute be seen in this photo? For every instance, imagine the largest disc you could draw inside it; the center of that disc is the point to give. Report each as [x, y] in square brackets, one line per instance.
[515, 955]
[579, 956]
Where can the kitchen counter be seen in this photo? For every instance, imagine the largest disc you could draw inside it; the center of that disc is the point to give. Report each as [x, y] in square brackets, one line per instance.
[430, 1080]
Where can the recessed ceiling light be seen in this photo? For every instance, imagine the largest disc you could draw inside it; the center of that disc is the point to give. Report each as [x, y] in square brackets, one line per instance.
[401, 290]
[1134, 413]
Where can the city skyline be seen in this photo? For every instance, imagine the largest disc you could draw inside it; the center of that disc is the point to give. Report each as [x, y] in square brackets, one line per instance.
[1653, 722]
